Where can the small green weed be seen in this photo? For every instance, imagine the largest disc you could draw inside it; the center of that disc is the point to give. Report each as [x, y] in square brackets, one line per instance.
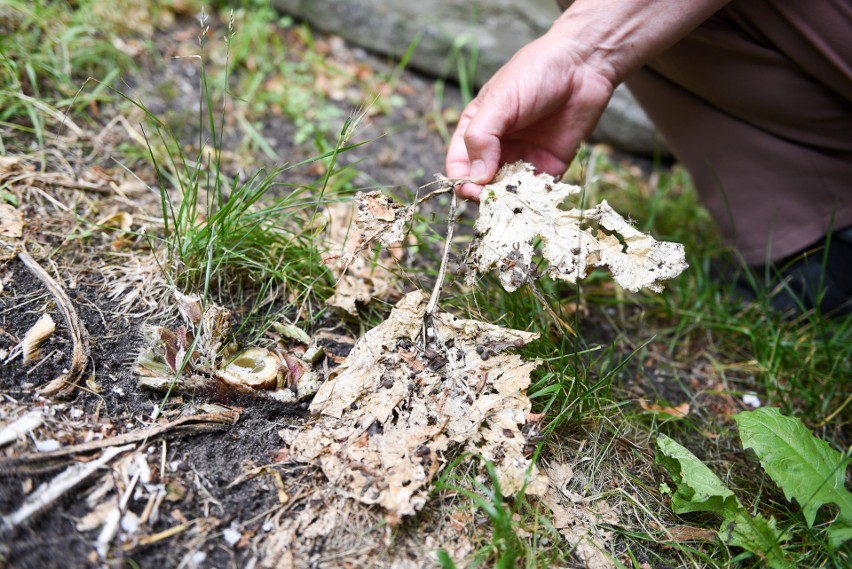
[506, 548]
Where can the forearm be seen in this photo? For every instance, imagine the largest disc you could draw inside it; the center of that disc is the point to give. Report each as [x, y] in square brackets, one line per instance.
[618, 36]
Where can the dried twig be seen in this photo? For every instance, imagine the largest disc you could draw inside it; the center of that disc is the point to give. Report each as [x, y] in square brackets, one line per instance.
[65, 383]
[62, 181]
[21, 427]
[451, 223]
[51, 491]
[151, 539]
[191, 424]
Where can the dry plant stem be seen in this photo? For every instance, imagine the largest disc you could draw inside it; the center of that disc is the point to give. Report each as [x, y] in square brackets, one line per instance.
[537, 293]
[448, 185]
[21, 427]
[151, 539]
[62, 182]
[193, 424]
[451, 223]
[51, 491]
[64, 384]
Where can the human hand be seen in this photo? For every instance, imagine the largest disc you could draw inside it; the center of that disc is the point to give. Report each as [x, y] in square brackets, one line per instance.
[537, 108]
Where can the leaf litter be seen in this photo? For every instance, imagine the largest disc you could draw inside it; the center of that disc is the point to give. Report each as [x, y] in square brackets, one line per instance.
[349, 232]
[422, 387]
[519, 208]
[414, 392]
[390, 415]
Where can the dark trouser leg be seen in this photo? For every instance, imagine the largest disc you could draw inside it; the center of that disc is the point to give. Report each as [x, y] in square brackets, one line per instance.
[757, 103]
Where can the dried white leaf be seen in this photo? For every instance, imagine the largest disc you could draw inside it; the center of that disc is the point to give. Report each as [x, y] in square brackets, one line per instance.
[190, 308]
[378, 218]
[393, 410]
[519, 208]
[359, 278]
[578, 520]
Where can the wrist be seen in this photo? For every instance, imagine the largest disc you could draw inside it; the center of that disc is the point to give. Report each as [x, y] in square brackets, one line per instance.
[615, 38]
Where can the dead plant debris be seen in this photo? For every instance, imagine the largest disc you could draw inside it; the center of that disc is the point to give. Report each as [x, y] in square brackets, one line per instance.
[413, 392]
[360, 279]
[199, 355]
[519, 209]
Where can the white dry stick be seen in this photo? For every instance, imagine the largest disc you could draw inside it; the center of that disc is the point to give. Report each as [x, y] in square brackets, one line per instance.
[20, 427]
[451, 223]
[113, 519]
[108, 531]
[51, 491]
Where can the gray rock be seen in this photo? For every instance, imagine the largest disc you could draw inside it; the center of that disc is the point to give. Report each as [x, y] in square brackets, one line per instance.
[487, 32]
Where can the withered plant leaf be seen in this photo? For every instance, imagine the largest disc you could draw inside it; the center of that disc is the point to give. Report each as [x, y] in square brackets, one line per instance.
[519, 208]
[256, 371]
[387, 418]
[359, 278]
[120, 220]
[676, 412]
[28, 347]
[377, 218]
[11, 222]
[578, 519]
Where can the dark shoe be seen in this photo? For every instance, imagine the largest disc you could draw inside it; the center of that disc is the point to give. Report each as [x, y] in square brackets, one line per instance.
[820, 278]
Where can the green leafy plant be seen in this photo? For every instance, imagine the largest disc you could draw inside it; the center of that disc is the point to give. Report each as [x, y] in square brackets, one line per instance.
[804, 467]
[700, 490]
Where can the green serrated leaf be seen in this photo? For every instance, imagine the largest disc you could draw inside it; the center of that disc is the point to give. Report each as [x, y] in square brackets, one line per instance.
[803, 466]
[698, 488]
[758, 535]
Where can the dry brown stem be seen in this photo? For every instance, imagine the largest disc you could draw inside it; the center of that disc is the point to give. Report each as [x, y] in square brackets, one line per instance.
[64, 384]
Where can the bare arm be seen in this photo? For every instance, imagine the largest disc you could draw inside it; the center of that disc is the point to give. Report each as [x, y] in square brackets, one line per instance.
[549, 96]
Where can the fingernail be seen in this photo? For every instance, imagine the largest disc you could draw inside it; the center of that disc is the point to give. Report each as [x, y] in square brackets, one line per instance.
[477, 172]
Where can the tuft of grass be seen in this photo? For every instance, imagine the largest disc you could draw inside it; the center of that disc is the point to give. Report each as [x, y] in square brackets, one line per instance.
[228, 237]
[482, 501]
